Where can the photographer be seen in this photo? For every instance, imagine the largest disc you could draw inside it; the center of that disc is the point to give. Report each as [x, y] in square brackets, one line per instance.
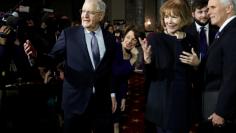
[13, 62]
[6, 41]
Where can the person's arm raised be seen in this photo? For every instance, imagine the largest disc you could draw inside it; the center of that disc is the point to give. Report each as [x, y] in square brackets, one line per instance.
[146, 50]
[30, 51]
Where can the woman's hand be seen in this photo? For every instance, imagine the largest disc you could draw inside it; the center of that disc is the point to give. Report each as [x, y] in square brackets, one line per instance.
[134, 55]
[122, 106]
[190, 58]
[146, 50]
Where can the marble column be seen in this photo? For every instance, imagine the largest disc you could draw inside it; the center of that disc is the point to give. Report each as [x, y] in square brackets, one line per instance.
[135, 13]
[139, 17]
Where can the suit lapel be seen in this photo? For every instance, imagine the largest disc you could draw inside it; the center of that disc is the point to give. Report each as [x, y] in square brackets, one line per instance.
[83, 45]
[229, 26]
[194, 33]
[106, 43]
[212, 32]
[81, 41]
[194, 30]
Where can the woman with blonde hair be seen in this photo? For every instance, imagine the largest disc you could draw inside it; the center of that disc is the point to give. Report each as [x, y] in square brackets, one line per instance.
[170, 58]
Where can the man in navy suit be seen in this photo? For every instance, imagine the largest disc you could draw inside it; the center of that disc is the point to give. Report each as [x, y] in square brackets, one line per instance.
[220, 72]
[88, 99]
[201, 20]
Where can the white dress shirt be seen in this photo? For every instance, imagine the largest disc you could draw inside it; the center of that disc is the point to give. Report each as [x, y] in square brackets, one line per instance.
[206, 27]
[101, 43]
[226, 22]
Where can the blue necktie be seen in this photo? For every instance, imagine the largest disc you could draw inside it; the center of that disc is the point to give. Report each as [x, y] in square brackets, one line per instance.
[203, 42]
[95, 49]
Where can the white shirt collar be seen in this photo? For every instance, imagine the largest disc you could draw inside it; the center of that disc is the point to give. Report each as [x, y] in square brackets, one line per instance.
[96, 31]
[226, 22]
[199, 26]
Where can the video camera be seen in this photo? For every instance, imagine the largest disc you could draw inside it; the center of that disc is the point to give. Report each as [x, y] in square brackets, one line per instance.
[8, 24]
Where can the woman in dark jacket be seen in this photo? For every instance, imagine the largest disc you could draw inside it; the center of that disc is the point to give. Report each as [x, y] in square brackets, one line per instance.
[122, 69]
[169, 59]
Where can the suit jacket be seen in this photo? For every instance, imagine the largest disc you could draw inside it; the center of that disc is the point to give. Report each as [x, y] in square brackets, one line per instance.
[220, 72]
[169, 82]
[198, 81]
[80, 76]
[122, 69]
[192, 29]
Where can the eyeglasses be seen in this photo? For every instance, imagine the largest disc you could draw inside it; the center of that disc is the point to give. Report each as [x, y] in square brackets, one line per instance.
[89, 12]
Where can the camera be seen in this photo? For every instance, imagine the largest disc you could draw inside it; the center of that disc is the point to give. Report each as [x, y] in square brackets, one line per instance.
[8, 24]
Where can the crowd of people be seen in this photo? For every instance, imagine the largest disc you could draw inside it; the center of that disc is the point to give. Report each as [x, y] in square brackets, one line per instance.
[188, 65]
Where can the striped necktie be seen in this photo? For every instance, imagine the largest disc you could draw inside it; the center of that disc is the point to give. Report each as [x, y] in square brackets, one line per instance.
[95, 49]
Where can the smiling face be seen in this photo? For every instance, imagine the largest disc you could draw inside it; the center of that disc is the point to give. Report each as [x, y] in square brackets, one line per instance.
[217, 12]
[174, 15]
[129, 40]
[90, 16]
[172, 23]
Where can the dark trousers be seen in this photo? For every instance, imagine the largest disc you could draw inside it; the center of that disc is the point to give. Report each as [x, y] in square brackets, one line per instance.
[92, 120]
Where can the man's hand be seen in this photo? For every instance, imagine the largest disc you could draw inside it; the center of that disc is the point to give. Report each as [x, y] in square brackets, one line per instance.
[122, 106]
[30, 50]
[114, 103]
[216, 120]
[4, 31]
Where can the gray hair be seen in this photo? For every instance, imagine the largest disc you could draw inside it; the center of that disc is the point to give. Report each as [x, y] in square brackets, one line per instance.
[100, 5]
[227, 2]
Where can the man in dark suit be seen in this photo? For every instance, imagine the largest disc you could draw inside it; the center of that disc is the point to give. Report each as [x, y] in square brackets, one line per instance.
[201, 19]
[220, 69]
[201, 22]
[88, 101]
